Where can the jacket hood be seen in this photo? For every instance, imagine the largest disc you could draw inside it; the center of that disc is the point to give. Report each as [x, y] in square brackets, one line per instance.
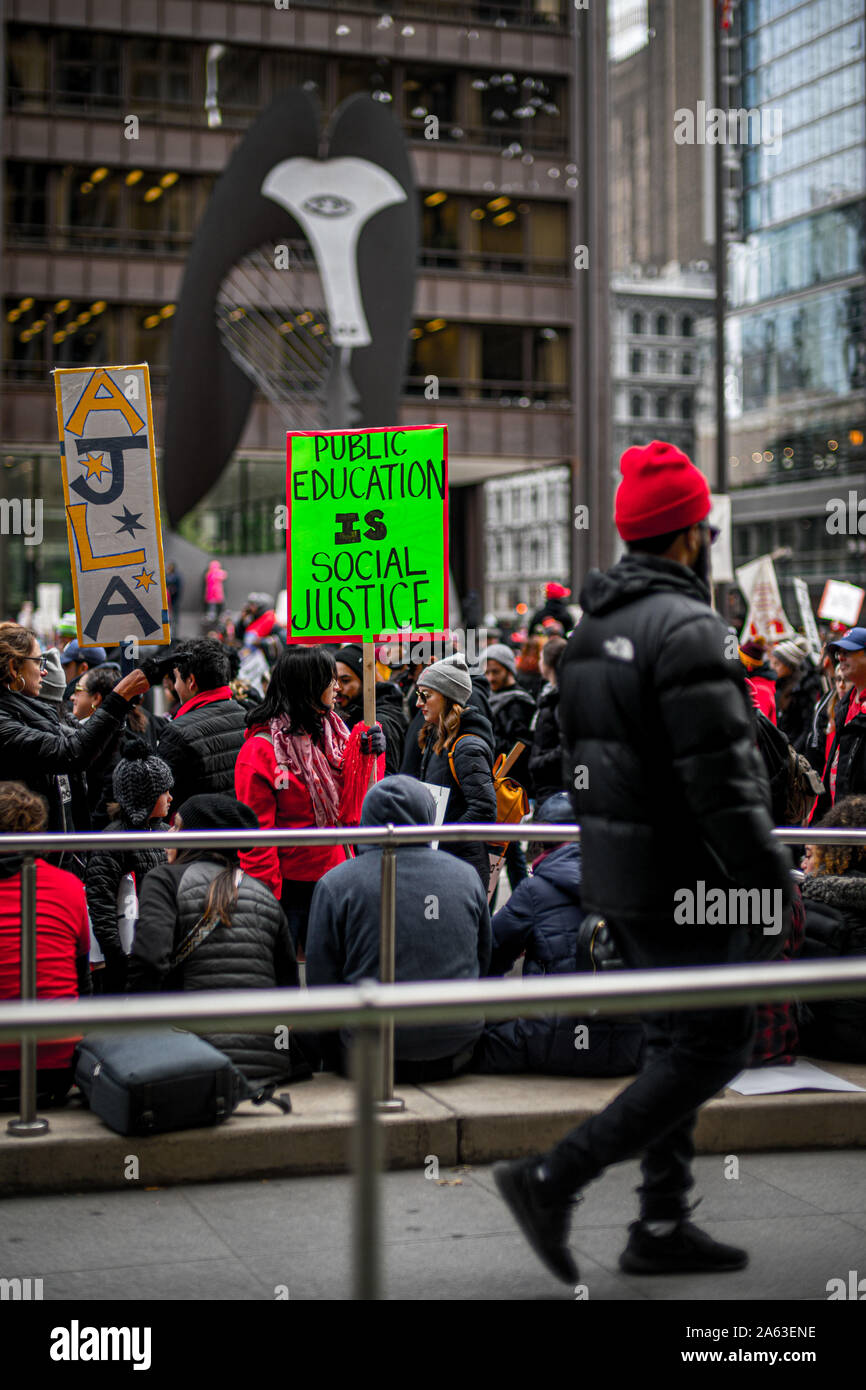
[472, 721]
[562, 868]
[399, 800]
[499, 698]
[636, 575]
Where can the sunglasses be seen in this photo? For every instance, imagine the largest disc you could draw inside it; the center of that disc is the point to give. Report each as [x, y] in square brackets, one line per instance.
[423, 696]
[714, 531]
[80, 690]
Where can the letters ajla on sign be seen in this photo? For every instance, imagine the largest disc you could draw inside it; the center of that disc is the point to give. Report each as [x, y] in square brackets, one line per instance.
[105, 423]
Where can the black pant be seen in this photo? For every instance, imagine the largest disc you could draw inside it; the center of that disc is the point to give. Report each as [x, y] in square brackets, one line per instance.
[689, 1057]
[295, 900]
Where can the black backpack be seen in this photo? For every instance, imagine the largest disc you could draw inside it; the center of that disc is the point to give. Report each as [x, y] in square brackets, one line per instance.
[794, 783]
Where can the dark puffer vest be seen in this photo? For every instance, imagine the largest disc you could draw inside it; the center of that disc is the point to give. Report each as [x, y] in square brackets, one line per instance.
[255, 952]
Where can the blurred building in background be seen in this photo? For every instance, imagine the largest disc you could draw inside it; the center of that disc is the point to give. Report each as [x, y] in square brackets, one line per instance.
[98, 227]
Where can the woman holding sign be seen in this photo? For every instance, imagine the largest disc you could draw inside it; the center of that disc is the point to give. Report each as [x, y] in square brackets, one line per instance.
[457, 753]
[299, 768]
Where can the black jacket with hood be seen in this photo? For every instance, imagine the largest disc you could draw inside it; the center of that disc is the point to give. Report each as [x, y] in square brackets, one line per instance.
[471, 794]
[514, 712]
[834, 1029]
[442, 921]
[668, 787]
[545, 758]
[479, 700]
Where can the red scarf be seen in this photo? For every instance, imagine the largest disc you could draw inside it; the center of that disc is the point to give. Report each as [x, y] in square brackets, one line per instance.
[318, 766]
[204, 697]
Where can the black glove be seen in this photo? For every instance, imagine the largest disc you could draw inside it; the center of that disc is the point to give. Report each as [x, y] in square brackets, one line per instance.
[373, 741]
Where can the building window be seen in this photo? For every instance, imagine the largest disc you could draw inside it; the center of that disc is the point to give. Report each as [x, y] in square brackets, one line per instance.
[636, 362]
[661, 407]
[87, 69]
[685, 408]
[662, 325]
[688, 364]
[637, 323]
[663, 361]
[687, 326]
[636, 407]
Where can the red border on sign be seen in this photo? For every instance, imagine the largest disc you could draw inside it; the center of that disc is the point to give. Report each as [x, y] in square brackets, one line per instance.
[342, 637]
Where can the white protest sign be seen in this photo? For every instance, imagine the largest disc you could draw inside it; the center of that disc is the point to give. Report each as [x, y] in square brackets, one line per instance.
[810, 627]
[841, 602]
[765, 617]
[105, 424]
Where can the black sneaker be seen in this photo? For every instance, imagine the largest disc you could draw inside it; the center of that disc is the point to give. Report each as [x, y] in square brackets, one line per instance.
[544, 1223]
[686, 1250]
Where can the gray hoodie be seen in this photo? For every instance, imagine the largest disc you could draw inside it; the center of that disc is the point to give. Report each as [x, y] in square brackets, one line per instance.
[442, 922]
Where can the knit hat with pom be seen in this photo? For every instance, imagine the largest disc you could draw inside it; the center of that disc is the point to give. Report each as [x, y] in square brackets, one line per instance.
[139, 780]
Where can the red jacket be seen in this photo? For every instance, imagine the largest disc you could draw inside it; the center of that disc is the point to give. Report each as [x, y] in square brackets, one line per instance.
[764, 695]
[62, 934]
[282, 802]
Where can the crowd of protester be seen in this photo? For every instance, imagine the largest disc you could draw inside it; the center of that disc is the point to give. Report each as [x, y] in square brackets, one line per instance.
[240, 730]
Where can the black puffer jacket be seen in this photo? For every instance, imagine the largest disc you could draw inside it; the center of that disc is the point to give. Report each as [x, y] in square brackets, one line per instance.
[796, 698]
[835, 904]
[201, 748]
[675, 791]
[389, 713]
[472, 797]
[513, 714]
[545, 759]
[52, 758]
[105, 869]
[255, 952]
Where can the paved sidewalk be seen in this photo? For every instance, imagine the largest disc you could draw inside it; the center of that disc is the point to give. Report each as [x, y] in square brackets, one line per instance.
[801, 1216]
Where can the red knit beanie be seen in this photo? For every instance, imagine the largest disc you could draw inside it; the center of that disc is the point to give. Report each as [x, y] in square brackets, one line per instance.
[661, 491]
[554, 590]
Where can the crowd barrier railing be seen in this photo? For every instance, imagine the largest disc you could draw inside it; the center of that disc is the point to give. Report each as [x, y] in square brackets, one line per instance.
[373, 1008]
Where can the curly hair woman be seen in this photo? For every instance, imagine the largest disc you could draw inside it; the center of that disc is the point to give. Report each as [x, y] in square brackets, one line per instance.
[834, 894]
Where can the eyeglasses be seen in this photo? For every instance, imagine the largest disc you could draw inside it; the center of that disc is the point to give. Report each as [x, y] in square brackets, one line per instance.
[40, 662]
[423, 696]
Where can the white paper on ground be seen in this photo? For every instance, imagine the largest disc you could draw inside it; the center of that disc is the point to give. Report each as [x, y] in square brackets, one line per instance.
[802, 1076]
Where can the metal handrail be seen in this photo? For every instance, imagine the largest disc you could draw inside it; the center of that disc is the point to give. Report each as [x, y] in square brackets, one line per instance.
[373, 1008]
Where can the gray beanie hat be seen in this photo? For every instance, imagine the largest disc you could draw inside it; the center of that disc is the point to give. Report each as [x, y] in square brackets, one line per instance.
[139, 780]
[498, 652]
[450, 677]
[790, 653]
[54, 682]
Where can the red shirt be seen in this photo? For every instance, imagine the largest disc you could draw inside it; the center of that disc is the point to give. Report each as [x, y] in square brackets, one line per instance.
[62, 933]
[282, 802]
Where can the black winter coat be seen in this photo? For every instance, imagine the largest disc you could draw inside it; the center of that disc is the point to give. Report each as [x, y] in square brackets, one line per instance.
[479, 700]
[201, 748]
[675, 791]
[105, 869]
[834, 1029]
[541, 918]
[545, 758]
[472, 797]
[52, 758]
[389, 713]
[255, 952]
[513, 714]
[796, 698]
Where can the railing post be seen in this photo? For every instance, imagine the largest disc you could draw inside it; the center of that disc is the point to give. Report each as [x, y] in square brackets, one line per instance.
[366, 1261]
[387, 935]
[28, 1124]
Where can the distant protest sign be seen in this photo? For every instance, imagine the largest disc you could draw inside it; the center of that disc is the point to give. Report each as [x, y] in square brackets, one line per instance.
[765, 617]
[367, 544]
[841, 602]
[105, 423]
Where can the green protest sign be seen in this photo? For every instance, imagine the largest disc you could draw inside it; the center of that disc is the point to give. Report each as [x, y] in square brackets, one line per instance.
[367, 544]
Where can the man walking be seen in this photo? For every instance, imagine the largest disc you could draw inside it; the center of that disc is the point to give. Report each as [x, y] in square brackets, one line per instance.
[673, 803]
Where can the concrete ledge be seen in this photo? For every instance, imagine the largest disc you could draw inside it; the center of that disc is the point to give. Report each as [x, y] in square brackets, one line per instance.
[470, 1119]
